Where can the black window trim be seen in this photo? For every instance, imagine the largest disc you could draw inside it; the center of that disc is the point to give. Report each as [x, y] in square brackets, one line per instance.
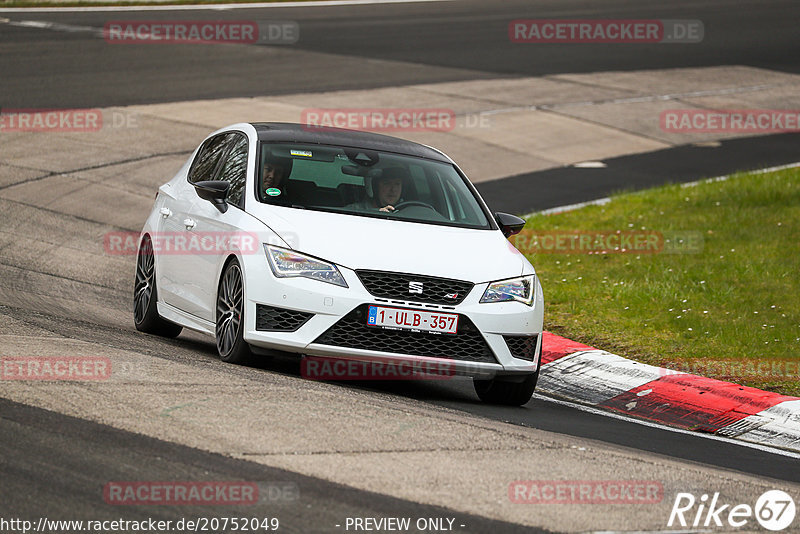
[194, 163]
[222, 159]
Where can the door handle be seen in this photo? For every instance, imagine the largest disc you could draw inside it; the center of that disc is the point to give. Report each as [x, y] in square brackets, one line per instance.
[165, 212]
[189, 224]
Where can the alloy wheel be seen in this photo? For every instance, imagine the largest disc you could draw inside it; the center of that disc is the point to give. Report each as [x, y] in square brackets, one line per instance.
[229, 309]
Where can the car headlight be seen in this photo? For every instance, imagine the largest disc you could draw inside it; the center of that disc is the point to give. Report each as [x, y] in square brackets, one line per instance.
[287, 263]
[520, 289]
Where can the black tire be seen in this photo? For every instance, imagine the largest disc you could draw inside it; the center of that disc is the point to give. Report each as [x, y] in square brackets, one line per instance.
[145, 295]
[503, 391]
[231, 346]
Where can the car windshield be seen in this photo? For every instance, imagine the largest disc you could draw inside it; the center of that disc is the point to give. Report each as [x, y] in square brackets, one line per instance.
[366, 183]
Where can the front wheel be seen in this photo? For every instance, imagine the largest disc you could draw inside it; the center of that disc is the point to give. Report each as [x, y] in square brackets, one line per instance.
[231, 345]
[502, 390]
[145, 295]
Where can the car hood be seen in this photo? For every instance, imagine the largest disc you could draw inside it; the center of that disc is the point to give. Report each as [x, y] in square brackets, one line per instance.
[359, 242]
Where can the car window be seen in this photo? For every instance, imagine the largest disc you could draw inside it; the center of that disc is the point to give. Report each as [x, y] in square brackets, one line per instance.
[234, 169]
[207, 159]
[361, 182]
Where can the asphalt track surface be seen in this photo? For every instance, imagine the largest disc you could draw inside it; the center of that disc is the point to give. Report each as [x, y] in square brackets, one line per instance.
[368, 46]
[78, 458]
[426, 43]
[564, 186]
[58, 464]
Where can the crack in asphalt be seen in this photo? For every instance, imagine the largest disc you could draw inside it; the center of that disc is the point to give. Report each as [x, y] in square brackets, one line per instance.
[97, 166]
[67, 215]
[399, 451]
[62, 277]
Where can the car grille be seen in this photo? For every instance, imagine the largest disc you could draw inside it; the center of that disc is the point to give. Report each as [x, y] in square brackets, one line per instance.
[523, 347]
[272, 319]
[351, 331]
[396, 286]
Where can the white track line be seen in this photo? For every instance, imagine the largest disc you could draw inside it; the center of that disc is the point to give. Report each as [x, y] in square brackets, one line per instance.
[212, 7]
[571, 207]
[54, 26]
[725, 177]
[644, 422]
[606, 200]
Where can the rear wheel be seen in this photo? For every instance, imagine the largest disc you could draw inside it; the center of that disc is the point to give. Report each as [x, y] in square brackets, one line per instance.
[507, 390]
[145, 295]
[231, 345]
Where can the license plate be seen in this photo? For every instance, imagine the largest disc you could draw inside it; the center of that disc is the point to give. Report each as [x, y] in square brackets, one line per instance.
[416, 320]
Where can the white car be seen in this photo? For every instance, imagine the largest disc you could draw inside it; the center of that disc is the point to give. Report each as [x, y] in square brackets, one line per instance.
[340, 245]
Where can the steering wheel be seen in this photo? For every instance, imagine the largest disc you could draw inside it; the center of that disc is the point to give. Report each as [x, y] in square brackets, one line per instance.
[408, 203]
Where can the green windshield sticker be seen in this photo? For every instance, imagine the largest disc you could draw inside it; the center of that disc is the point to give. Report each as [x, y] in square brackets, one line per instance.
[273, 191]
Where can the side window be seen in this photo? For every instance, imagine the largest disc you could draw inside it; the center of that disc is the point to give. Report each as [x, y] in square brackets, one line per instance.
[207, 159]
[235, 169]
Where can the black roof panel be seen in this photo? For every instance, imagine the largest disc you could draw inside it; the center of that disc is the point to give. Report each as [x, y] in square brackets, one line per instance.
[300, 133]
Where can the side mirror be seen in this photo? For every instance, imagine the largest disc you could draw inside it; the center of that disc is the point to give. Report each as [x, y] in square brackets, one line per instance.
[215, 191]
[509, 224]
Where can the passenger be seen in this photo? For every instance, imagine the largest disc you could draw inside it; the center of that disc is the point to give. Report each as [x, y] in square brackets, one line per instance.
[384, 192]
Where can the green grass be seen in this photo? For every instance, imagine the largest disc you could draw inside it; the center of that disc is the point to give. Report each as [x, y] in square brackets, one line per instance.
[717, 312]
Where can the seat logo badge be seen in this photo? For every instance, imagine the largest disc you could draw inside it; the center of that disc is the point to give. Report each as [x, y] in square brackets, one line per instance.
[415, 288]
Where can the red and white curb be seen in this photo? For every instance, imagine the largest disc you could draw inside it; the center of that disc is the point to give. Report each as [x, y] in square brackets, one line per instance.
[587, 375]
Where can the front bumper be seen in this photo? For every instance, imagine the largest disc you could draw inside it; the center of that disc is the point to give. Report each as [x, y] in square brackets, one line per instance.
[485, 353]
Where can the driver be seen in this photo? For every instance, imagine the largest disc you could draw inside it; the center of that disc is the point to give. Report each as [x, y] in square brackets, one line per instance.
[384, 192]
[275, 171]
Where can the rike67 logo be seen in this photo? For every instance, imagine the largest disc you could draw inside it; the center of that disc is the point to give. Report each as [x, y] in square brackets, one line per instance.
[774, 510]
